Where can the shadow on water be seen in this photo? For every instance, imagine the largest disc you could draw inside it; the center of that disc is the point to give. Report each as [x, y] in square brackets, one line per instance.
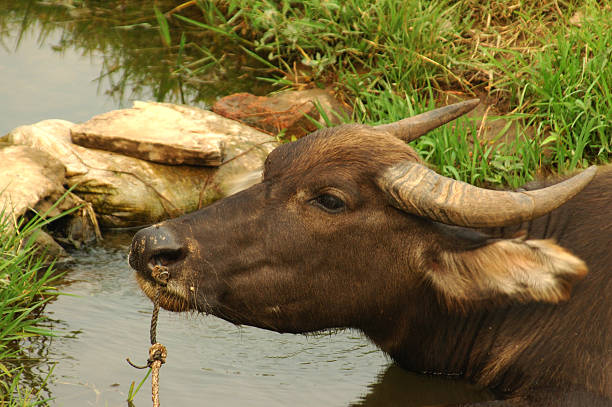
[397, 387]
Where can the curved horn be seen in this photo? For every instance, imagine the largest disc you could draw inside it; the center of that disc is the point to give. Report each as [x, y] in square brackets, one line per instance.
[415, 188]
[414, 127]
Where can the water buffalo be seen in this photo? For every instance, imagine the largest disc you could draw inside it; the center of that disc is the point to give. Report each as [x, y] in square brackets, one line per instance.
[348, 228]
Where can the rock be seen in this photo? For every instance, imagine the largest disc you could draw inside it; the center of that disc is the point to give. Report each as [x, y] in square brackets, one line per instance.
[28, 176]
[335, 112]
[78, 228]
[154, 133]
[32, 180]
[49, 249]
[292, 112]
[126, 191]
[267, 114]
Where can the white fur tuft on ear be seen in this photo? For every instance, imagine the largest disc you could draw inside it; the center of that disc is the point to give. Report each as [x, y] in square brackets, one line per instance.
[524, 270]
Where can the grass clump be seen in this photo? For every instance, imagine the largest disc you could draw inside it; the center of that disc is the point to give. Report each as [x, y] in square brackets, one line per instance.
[545, 67]
[571, 92]
[26, 279]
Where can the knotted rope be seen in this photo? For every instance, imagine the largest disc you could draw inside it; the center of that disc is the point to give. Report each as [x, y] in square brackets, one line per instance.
[157, 351]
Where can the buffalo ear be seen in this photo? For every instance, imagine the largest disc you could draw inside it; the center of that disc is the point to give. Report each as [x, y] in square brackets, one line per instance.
[517, 269]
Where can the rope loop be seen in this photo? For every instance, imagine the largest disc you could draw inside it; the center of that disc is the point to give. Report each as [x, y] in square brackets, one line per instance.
[157, 352]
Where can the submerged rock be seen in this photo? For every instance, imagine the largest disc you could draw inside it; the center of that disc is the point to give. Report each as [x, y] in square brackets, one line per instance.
[48, 249]
[153, 132]
[294, 112]
[126, 191]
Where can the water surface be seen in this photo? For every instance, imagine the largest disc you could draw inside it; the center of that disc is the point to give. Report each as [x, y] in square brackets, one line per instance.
[208, 359]
[39, 83]
[74, 59]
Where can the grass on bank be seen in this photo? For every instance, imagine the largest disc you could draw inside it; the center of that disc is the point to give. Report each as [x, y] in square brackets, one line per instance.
[545, 66]
[26, 279]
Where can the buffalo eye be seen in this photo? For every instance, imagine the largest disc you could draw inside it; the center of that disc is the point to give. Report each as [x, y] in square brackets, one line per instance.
[329, 203]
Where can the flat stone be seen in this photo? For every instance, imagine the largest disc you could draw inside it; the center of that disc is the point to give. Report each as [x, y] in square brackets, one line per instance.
[152, 132]
[295, 113]
[126, 191]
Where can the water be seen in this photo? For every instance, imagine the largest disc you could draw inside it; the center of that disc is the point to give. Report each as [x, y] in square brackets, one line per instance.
[72, 62]
[74, 59]
[36, 84]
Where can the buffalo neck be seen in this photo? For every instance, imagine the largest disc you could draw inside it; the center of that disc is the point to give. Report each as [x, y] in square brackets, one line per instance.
[512, 347]
[498, 347]
[464, 344]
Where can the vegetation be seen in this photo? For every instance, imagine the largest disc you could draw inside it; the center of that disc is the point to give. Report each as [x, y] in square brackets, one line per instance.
[25, 288]
[545, 66]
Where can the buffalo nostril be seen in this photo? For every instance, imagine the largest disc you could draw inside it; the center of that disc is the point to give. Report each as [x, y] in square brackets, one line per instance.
[155, 248]
[164, 257]
[158, 264]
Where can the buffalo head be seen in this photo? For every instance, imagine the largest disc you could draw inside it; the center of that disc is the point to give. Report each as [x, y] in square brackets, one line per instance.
[348, 228]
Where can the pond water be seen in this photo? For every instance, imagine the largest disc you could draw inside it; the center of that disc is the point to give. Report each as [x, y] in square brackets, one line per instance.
[106, 319]
[73, 59]
[71, 62]
[36, 84]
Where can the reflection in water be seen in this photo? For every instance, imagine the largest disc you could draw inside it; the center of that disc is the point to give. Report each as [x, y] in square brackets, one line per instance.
[397, 387]
[106, 54]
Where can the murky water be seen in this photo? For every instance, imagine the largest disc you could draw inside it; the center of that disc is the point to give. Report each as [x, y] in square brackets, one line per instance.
[70, 62]
[35, 84]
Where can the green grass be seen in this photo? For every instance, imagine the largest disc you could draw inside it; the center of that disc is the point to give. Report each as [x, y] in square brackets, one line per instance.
[544, 66]
[21, 396]
[133, 390]
[572, 95]
[26, 279]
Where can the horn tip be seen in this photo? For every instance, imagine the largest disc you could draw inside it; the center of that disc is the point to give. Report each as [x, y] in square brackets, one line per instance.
[590, 172]
[470, 103]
